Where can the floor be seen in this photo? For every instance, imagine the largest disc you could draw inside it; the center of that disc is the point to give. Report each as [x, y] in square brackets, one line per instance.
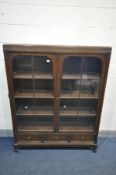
[58, 161]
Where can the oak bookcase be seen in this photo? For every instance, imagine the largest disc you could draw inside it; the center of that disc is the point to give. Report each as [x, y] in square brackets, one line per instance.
[56, 94]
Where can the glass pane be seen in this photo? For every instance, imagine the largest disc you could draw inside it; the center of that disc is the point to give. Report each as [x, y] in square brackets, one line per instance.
[42, 65]
[23, 84]
[72, 66]
[26, 123]
[44, 107]
[34, 121]
[69, 103]
[70, 76]
[34, 106]
[76, 123]
[43, 76]
[22, 66]
[90, 80]
[43, 88]
[79, 93]
[69, 106]
[33, 88]
[88, 106]
[77, 114]
[33, 114]
[23, 88]
[43, 85]
[25, 106]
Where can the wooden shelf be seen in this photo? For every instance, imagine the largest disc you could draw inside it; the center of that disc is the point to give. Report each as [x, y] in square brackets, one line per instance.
[66, 95]
[21, 94]
[50, 128]
[30, 75]
[32, 110]
[70, 76]
[34, 94]
[35, 128]
[25, 111]
[75, 128]
[88, 96]
[43, 94]
[89, 76]
[43, 76]
[45, 111]
[78, 112]
[23, 75]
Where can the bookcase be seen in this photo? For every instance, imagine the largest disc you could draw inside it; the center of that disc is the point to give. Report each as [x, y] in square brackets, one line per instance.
[56, 94]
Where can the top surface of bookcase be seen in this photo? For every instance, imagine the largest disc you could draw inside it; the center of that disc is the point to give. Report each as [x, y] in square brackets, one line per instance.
[57, 49]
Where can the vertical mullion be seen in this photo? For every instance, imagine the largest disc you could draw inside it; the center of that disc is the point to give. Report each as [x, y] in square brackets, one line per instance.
[81, 73]
[34, 99]
[57, 86]
[33, 77]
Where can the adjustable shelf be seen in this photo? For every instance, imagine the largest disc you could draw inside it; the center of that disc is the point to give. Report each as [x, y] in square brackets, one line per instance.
[88, 112]
[34, 110]
[36, 75]
[32, 128]
[89, 76]
[67, 95]
[44, 111]
[75, 128]
[23, 75]
[40, 94]
[23, 94]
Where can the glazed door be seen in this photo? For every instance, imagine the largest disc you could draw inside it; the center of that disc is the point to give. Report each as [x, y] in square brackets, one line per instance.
[33, 82]
[80, 89]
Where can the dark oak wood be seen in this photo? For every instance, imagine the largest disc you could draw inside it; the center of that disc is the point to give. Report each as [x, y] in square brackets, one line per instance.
[56, 94]
[56, 49]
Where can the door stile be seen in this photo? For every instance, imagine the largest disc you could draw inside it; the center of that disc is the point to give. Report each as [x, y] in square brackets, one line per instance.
[9, 74]
[57, 89]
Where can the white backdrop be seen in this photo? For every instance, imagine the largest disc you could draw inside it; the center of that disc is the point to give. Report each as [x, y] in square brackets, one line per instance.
[65, 22]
